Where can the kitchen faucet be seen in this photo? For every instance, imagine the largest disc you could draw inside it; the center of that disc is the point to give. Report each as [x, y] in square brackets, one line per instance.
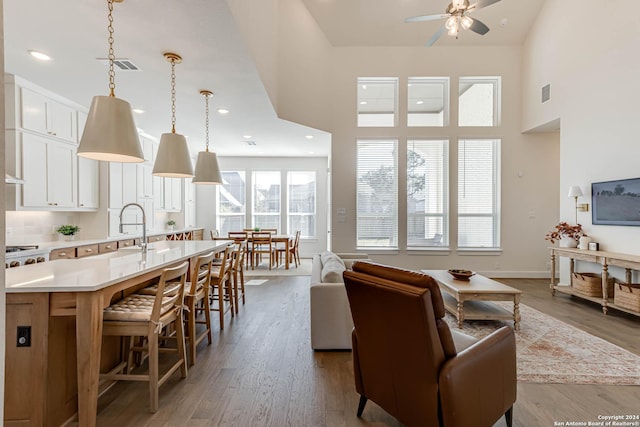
[143, 243]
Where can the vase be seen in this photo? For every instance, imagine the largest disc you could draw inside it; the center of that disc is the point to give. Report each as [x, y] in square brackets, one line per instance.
[69, 237]
[568, 242]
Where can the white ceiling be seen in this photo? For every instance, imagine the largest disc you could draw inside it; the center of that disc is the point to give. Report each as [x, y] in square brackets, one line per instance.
[214, 56]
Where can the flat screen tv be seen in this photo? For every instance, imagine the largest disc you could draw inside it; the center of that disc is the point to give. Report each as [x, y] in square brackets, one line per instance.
[616, 202]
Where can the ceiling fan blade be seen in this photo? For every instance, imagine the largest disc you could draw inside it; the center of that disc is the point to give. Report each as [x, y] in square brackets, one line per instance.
[426, 18]
[479, 27]
[482, 3]
[436, 36]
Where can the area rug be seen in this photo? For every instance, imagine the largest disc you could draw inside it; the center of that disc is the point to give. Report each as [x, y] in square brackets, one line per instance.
[256, 282]
[304, 269]
[551, 351]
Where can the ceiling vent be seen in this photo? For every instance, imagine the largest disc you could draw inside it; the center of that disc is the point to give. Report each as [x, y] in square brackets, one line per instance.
[546, 93]
[120, 64]
[249, 142]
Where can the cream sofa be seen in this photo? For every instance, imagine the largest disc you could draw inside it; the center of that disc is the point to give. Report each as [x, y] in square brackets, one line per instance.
[331, 323]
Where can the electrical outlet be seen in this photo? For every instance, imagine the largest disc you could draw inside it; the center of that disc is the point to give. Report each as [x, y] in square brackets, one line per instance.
[24, 336]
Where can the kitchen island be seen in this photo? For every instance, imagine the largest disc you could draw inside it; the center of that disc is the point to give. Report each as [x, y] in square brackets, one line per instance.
[59, 304]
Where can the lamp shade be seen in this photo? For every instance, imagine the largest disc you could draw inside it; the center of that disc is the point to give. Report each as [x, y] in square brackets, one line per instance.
[207, 169]
[173, 159]
[110, 133]
[575, 191]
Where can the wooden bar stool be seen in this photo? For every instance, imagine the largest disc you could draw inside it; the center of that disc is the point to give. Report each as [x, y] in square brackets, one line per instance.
[146, 316]
[237, 271]
[196, 299]
[221, 286]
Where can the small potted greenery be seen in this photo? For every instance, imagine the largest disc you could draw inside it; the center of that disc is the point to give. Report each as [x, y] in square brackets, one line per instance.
[171, 224]
[68, 231]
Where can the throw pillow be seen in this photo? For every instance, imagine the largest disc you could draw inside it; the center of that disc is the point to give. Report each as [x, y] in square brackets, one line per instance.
[332, 271]
[328, 255]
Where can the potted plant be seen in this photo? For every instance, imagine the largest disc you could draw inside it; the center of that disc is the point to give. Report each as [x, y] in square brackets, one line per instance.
[171, 224]
[68, 231]
[567, 234]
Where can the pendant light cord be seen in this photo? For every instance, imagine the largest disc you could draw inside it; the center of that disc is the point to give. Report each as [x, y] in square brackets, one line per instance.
[111, 56]
[206, 120]
[173, 95]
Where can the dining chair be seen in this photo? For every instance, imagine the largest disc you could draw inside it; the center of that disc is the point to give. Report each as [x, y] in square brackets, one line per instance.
[240, 237]
[269, 230]
[261, 243]
[292, 253]
[139, 315]
[221, 296]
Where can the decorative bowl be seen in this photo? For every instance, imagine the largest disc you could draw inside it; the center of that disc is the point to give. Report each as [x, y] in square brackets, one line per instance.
[461, 274]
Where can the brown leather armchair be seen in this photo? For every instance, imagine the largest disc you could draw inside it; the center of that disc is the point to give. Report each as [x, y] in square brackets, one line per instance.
[405, 357]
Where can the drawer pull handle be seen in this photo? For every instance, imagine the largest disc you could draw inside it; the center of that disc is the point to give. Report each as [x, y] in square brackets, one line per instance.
[63, 254]
[89, 250]
[108, 246]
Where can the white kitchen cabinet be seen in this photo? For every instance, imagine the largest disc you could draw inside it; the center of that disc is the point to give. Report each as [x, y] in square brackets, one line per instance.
[145, 181]
[172, 194]
[88, 183]
[122, 184]
[50, 172]
[148, 206]
[47, 116]
[189, 215]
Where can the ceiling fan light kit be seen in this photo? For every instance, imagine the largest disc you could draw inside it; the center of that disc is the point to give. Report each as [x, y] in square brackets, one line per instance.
[110, 133]
[457, 18]
[173, 159]
[207, 168]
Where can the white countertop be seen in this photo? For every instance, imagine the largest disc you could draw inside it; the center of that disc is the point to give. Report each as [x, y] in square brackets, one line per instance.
[99, 271]
[62, 244]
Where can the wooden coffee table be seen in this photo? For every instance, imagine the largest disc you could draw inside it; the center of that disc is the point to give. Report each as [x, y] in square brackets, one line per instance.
[468, 299]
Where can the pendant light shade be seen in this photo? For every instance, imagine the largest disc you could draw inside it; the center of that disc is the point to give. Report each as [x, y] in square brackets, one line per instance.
[207, 169]
[173, 159]
[110, 133]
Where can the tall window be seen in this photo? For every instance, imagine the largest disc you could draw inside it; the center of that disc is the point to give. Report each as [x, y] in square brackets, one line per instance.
[302, 203]
[427, 193]
[377, 102]
[266, 199]
[479, 193]
[479, 101]
[428, 101]
[230, 210]
[377, 194]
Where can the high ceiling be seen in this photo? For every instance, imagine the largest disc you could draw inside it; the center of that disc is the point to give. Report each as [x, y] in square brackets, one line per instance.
[214, 56]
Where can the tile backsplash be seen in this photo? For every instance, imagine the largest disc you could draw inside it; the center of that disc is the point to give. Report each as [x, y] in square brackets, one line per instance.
[24, 228]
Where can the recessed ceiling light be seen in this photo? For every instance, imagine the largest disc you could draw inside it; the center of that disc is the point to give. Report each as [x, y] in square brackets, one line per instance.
[419, 102]
[246, 136]
[309, 136]
[223, 111]
[364, 87]
[311, 152]
[363, 102]
[138, 110]
[39, 55]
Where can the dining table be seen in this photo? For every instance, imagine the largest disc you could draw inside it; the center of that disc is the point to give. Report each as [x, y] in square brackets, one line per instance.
[285, 239]
[83, 288]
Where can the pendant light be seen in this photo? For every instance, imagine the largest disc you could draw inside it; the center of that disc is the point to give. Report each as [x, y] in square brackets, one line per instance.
[110, 133]
[173, 159]
[207, 169]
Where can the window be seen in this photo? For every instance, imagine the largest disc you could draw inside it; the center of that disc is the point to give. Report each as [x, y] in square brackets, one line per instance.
[428, 101]
[377, 102]
[231, 204]
[266, 199]
[479, 193]
[302, 203]
[377, 194]
[479, 101]
[427, 193]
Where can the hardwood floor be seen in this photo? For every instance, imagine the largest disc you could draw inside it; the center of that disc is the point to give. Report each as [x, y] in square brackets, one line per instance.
[261, 371]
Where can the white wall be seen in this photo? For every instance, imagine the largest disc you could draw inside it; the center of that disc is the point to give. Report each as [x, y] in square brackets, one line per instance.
[206, 194]
[588, 53]
[306, 61]
[3, 310]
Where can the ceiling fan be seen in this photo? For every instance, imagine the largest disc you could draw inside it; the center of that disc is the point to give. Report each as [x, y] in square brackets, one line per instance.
[457, 18]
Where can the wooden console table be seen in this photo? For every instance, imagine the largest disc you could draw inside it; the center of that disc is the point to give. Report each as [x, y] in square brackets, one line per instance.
[605, 259]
